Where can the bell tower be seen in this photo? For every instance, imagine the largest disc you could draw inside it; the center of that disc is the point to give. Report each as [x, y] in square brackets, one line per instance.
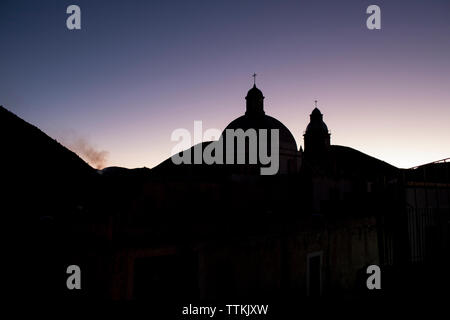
[316, 137]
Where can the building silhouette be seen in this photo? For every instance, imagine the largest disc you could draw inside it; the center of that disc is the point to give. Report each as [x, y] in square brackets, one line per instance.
[197, 232]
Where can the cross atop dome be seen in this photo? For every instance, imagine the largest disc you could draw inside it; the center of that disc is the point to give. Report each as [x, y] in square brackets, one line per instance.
[254, 79]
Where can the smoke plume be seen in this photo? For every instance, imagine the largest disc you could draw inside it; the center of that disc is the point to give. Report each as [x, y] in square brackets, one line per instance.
[85, 150]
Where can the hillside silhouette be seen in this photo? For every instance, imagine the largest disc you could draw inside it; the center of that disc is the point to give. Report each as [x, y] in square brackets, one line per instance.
[43, 185]
[38, 168]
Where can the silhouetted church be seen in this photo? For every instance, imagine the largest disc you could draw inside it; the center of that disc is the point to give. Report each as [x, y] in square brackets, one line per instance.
[219, 232]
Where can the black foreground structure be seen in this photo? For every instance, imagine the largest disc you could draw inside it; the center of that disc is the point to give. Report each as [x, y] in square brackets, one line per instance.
[222, 233]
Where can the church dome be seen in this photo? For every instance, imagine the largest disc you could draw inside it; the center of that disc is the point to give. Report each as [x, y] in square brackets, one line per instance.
[255, 118]
[245, 122]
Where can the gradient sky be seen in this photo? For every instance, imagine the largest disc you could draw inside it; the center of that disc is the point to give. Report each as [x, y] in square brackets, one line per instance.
[137, 70]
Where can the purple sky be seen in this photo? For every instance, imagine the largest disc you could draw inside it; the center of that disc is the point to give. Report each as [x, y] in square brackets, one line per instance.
[137, 70]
